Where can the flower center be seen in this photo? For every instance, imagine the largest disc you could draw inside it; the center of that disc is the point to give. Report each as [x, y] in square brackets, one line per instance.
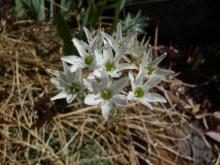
[120, 44]
[139, 92]
[74, 87]
[106, 94]
[109, 66]
[88, 59]
[150, 69]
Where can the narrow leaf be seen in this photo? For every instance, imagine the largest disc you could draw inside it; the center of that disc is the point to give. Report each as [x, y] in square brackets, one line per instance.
[64, 33]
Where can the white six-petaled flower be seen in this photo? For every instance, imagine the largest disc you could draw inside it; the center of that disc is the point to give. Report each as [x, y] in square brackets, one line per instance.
[151, 66]
[109, 63]
[140, 90]
[69, 84]
[120, 44]
[106, 93]
[87, 57]
[98, 38]
[138, 49]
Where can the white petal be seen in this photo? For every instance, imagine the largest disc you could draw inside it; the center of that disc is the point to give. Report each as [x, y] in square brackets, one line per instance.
[131, 77]
[78, 75]
[120, 99]
[61, 95]
[146, 44]
[91, 76]
[118, 85]
[155, 97]
[164, 72]
[131, 96]
[124, 66]
[62, 81]
[140, 76]
[70, 98]
[92, 45]
[103, 77]
[55, 82]
[129, 45]
[99, 37]
[98, 57]
[72, 60]
[73, 68]
[153, 81]
[107, 107]
[88, 34]
[119, 53]
[65, 67]
[92, 85]
[84, 45]
[69, 76]
[109, 39]
[146, 103]
[150, 55]
[53, 72]
[80, 47]
[66, 70]
[156, 61]
[114, 74]
[89, 83]
[119, 32]
[107, 55]
[147, 59]
[101, 74]
[92, 99]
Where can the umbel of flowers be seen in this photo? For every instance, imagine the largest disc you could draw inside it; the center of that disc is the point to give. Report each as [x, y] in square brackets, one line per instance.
[104, 85]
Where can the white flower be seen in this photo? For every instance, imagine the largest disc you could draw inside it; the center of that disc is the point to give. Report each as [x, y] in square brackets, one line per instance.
[140, 90]
[105, 93]
[138, 49]
[87, 58]
[109, 63]
[69, 84]
[151, 66]
[120, 44]
[98, 38]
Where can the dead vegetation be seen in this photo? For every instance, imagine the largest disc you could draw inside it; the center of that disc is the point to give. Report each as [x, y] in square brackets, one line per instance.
[34, 130]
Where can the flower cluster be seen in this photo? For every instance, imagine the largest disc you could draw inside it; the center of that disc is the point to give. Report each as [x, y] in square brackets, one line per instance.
[102, 56]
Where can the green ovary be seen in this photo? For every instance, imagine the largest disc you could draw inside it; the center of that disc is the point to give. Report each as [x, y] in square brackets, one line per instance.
[150, 69]
[88, 60]
[139, 92]
[74, 87]
[109, 66]
[120, 44]
[106, 94]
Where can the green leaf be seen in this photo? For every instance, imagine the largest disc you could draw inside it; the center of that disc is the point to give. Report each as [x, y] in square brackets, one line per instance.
[92, 16]
[40, 10]
[18, 7]
[64, 33]
[66, 4]
[118, 7]
[35, 8]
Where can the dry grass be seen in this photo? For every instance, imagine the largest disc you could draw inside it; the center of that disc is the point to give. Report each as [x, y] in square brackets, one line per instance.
[34, 130]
